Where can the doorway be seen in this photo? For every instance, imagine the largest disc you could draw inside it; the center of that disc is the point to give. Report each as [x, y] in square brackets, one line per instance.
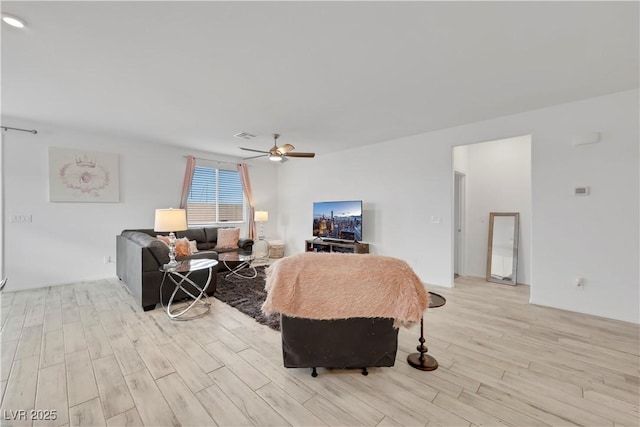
[491, 176]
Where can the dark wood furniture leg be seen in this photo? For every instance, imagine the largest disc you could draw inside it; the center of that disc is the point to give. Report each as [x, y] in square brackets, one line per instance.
[422, 360]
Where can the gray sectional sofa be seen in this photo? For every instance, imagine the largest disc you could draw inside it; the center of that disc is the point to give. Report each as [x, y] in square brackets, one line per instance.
[139, 256]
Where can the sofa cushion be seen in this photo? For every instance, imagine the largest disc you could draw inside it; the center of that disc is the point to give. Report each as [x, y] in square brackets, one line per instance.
[200, 255]
[196, 234]
[138, 236]
[159, 250]
[211, 237]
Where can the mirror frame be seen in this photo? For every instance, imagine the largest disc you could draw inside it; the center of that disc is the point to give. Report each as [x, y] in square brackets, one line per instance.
[516, 232]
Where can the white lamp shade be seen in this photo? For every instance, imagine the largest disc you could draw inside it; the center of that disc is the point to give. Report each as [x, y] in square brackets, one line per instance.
[170, 220]
[261, 216]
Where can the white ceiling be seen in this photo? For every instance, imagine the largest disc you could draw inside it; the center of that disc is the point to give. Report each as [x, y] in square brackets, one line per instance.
[326, 75]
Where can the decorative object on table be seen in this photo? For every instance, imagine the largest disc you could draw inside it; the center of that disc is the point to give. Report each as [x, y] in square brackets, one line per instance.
[278, 154]
[168, 221]
[246, 295]
[179, 275]
[422, 360]
[83, 176]
[261, 246]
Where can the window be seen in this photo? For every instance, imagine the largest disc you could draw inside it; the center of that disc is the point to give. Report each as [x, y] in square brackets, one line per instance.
[215, 196]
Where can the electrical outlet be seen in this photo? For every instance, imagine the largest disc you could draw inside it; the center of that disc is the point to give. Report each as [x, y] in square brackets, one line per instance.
[435, 220]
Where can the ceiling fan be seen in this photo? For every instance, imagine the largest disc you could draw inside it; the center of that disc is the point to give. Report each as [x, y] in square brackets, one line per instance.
[278, 154]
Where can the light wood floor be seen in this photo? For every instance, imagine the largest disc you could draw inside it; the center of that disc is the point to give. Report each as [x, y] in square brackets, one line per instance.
[87, 352]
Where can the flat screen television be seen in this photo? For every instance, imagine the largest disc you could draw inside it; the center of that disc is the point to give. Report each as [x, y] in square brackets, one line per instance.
[338, 220]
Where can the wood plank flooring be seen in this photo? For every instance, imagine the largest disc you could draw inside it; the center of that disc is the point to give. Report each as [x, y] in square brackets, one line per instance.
[88, 353]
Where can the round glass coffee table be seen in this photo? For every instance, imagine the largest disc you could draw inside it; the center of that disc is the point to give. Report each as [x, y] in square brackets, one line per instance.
[238, 264]
[179, 275]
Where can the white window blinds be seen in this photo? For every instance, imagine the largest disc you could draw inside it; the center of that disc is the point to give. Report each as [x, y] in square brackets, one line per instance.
[216, 196]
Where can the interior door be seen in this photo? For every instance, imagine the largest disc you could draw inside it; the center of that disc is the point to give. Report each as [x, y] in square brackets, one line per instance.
[458, 221]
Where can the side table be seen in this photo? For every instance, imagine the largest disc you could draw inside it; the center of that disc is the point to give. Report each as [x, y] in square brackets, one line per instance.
[235, 262]
[179, 275]
[276, 248]
[422, 360]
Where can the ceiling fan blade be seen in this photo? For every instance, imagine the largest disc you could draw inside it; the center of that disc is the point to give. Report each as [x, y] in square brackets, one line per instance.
[307, 155]
[254, 157]
[257, 151]
[285, 148]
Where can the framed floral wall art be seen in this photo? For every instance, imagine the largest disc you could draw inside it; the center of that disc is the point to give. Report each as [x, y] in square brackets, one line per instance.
[83, 176]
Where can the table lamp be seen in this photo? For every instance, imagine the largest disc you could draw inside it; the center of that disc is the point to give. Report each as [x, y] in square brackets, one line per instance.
[170, 220]
[261, 217]
[261, 247]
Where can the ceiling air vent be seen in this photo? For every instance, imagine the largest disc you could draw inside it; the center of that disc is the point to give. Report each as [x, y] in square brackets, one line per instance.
[244, 135]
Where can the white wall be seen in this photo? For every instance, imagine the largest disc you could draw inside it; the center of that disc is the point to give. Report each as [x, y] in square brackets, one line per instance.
[67, 242]
[264, 182]
[405, 182]
[498, 179]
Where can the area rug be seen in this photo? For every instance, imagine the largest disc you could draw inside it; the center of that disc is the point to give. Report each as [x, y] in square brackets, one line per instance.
[246, 295]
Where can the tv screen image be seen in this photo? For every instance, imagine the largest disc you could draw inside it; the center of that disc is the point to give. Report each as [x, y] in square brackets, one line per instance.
[338, 220]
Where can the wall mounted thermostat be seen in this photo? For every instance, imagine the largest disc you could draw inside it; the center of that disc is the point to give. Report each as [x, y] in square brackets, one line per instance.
[581, 191]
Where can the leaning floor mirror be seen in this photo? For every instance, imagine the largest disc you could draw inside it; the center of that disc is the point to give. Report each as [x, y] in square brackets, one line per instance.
[502, 251]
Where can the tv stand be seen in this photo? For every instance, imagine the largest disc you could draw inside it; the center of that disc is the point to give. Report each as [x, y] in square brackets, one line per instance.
[326, 245]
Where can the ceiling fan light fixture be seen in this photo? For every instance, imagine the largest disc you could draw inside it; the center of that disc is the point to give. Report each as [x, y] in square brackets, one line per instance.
[278, 154]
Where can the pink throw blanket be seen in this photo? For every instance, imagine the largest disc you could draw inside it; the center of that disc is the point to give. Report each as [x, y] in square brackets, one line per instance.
[339, 286]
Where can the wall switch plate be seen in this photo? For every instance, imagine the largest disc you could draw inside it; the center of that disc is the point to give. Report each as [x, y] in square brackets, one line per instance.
[20, 218]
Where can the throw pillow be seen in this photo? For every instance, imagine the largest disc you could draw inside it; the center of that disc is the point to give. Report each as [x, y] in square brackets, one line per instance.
[182, 247]
[193, 245]
[228, 238]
